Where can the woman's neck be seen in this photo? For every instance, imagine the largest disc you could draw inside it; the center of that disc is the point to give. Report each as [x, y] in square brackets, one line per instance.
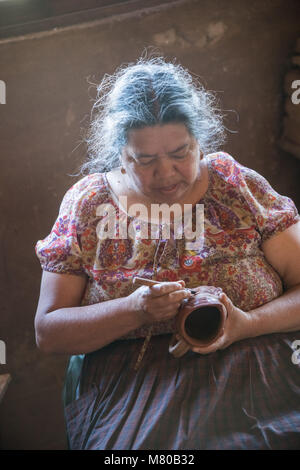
[121, 186]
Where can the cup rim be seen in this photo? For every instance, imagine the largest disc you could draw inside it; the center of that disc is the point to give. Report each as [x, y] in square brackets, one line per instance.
[190, 307]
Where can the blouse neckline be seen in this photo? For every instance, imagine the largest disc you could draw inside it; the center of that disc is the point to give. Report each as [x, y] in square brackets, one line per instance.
[118, 206]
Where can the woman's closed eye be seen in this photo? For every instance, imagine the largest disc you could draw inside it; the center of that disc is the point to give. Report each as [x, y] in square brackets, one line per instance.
[146, 161]
[179, 157]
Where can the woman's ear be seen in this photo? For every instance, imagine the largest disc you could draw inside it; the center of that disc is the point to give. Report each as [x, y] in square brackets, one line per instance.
[200, 153]
[126, 157]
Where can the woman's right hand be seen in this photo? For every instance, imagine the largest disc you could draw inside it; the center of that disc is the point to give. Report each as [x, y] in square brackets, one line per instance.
[159, 302]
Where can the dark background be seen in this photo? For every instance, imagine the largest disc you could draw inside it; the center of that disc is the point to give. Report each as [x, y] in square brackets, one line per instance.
[49, 57]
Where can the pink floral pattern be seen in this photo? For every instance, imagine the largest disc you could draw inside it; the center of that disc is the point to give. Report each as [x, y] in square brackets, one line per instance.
[241, 211]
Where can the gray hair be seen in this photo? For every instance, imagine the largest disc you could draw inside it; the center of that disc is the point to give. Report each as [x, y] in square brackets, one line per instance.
[147, 93]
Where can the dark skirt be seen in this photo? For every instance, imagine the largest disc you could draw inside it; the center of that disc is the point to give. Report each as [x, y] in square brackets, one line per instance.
[246, 396]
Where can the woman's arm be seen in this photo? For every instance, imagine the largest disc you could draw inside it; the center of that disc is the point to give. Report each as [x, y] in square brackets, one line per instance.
[63, 326]
[282, 314]
[279, 315]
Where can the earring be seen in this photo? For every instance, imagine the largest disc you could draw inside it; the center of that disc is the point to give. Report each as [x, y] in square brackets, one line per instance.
[123, 171]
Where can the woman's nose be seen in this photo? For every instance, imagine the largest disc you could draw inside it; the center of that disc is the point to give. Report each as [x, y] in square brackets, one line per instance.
[165, 167]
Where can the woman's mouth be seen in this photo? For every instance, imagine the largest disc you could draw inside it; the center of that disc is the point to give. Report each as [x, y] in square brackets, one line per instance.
[169, 189]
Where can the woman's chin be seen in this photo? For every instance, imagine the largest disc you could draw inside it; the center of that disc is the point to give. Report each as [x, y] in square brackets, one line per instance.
[168, 195]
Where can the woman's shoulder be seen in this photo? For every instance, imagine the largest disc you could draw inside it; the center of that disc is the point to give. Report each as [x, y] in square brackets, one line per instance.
[222, 163]
[232, 172]
[88, 184]
[224, 166]
[89, 190]
[90, 187]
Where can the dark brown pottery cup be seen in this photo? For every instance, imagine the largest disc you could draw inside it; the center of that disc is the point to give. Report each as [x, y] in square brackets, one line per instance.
[200, 321]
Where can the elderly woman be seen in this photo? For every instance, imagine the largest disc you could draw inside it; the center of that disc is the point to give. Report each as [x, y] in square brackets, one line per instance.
[154, 140]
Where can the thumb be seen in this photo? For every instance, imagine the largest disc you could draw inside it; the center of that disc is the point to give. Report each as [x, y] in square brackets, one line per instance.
[226, 301]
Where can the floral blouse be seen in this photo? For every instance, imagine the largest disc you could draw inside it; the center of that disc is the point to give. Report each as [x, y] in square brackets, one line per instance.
[241, 210]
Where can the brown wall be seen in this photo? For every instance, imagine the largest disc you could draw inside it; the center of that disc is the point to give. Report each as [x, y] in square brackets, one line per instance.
[240, 49]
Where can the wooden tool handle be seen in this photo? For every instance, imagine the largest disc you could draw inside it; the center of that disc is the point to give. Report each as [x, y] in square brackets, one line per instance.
[142, 281]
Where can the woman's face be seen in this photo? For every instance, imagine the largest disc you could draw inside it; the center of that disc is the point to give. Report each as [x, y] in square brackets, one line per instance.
[162, 162]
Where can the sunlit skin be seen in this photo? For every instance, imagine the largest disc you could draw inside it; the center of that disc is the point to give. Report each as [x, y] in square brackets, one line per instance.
[163, 164]
[75, 329]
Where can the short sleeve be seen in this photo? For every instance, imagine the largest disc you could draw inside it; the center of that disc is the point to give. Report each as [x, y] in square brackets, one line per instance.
[60, 252]
[273, 212]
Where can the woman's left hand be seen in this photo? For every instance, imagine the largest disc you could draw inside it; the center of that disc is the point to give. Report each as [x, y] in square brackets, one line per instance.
[237, 327]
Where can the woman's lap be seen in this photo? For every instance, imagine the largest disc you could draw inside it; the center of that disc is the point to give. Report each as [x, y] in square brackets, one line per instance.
[246, 396]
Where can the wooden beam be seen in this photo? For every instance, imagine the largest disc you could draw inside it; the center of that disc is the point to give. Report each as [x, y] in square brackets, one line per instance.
[46, 15]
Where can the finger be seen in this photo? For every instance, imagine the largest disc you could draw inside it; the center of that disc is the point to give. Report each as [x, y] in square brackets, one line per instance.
[164, 288]
[204, 350]
[172, 302]
[212, 348]
[170, 314]
[160, 304]
[165, 314]
[179, 295]
[226, 301]
[218, 344]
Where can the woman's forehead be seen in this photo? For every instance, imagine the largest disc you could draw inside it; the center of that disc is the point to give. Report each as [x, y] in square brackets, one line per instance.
[152, 140]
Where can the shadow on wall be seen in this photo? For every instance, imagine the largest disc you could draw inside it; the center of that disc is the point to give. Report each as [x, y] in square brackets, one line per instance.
[290, 140]
[47, 97]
